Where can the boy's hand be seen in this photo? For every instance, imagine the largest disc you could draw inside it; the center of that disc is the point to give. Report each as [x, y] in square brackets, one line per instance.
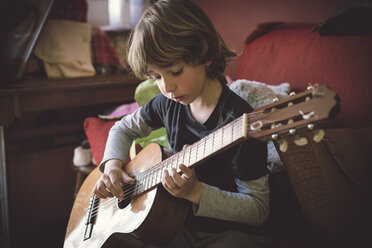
[111, 182]
[185, 186]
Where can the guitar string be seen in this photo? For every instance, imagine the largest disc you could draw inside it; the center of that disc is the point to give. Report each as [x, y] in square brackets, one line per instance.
[128, 193]
[150, 172]
[129, 190]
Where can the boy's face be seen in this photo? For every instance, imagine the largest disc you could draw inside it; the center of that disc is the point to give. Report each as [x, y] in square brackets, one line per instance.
[181, 82]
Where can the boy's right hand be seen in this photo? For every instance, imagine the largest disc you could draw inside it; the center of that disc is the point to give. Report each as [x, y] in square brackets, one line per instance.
[111, 182]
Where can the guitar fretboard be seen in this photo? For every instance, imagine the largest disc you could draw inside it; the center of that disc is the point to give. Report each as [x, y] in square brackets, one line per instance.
[223, 138]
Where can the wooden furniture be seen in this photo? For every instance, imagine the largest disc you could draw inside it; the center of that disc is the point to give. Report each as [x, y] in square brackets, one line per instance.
[81, 173]
[51, 94]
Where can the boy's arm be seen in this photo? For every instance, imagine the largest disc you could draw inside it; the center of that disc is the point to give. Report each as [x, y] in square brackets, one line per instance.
[122, 135]
[250, 205]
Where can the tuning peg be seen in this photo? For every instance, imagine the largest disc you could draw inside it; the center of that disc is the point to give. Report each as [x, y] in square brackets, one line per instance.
[318, 135]
[283, 145]
[292, 131]
[290, 104]
[292, 93]
[274, 136]
[300, 141]
[306, 116]
[310, 126]
[275, 99]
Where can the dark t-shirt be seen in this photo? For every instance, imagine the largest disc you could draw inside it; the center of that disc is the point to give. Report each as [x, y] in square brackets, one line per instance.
[245, 161]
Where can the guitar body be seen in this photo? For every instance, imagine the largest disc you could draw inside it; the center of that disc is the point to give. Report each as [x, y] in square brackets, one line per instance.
[154, 217]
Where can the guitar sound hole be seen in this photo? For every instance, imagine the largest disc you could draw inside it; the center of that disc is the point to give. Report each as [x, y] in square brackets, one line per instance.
[128, 191]
[123, 203]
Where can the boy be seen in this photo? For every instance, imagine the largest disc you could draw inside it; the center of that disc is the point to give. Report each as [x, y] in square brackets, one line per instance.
[177, 46]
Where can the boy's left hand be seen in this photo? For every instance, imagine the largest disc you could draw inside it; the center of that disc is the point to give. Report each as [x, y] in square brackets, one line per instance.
[184, 185]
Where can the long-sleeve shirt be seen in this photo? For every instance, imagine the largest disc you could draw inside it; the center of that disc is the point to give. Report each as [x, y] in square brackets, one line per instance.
[235, 182]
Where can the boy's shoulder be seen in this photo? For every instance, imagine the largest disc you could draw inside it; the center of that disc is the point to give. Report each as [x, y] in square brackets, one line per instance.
[235, 102]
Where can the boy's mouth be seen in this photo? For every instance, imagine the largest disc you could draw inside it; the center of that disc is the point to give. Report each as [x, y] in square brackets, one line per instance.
[178, 98]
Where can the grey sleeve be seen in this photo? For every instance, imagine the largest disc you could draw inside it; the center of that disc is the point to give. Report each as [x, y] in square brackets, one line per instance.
[121, 136]
[250, 205]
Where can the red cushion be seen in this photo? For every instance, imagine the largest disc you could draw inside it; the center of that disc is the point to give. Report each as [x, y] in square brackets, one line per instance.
[299, 56]
[97, 131]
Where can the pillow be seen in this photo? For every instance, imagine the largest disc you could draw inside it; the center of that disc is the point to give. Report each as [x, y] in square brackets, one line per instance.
[97, 131]
[259, 94]
[332, 181]
[119, 111]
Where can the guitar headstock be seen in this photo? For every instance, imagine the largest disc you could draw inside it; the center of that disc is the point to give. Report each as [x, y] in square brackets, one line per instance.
[287, 117]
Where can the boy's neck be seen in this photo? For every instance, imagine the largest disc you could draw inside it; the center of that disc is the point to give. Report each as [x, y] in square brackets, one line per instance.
[204, 105]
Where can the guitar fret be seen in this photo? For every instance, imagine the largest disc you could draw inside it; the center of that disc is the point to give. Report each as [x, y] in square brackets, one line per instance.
[139, 185]
[174, 163]
[152, 180]
[232, 133]
[208, 147]
[197, 151]
[146, 185]
[239, 132]
[148, 181]
[177, 163]
[136, 187]
[186, 157]
[236, 129]
[222, 131]
[158, 175]
[213, 142]
[183, 156]
[169, 163]
[189, 156]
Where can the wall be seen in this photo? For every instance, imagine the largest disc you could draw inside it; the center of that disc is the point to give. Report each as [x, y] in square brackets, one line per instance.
[236, 19]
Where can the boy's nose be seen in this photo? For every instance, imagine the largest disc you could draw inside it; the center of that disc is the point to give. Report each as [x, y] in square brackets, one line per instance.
[169, 85]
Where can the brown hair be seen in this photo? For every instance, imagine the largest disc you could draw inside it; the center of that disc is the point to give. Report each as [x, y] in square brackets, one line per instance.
[173, 31]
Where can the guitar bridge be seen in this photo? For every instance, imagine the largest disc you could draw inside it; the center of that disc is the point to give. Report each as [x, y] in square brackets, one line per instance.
[91, 216]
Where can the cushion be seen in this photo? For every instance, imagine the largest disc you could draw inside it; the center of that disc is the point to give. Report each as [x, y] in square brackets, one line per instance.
[331, 180]
[289, 53]
[97, 131]
[119, 112]
[258, 94]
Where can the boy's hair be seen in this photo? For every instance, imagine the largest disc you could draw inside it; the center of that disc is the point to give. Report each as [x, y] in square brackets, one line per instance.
[174, 31]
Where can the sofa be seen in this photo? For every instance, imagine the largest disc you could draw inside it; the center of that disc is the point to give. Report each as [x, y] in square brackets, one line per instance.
[325, 186]
[330, 179]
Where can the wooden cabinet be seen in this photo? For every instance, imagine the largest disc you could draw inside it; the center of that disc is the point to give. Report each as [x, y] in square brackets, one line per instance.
[40, 122]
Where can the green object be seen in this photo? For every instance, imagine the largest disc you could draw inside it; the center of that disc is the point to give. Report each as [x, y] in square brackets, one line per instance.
[157, 136]
[145, 91]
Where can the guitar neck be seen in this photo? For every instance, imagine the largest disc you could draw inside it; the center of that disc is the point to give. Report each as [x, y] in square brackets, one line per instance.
[216, 142]
[275, 120]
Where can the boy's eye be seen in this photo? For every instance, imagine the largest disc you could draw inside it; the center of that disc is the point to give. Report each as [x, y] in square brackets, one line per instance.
[177, 72]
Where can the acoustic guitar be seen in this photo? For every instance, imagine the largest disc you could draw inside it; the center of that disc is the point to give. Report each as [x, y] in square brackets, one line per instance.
[149, 214]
